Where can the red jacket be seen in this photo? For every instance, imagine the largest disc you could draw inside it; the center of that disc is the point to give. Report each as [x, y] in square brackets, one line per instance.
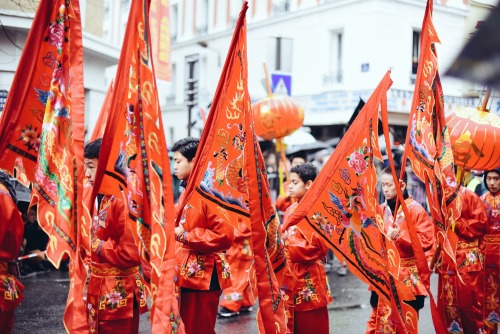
[11, 236]
[201, 247]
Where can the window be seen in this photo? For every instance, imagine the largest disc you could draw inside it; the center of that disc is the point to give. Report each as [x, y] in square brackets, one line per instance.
[202, 18]
[415, 53]
[174, 18]
[281, 7]
[173, 86]
[335, 75]
[280, 50]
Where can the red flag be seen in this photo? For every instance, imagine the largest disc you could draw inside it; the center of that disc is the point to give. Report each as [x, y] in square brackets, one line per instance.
[429, 146]
[429, 149]
[134, 165]
[342, 206]
[42, 128]
[43, 123]
[229, 175]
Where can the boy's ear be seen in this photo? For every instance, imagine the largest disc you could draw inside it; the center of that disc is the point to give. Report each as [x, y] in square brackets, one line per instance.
[309, 184]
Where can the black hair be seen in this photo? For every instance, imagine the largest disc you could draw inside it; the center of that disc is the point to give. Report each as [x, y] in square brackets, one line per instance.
[92, 149]
[306, 171]
[187, 147]
[388, 171]
[5, 180]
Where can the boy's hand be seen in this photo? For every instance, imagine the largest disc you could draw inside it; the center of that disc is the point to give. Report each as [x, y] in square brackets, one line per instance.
[178, 230]
[393, 232]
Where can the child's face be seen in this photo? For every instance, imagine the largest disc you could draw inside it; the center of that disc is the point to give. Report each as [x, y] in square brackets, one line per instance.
[297, 188]
[90, 166]
[182, 166]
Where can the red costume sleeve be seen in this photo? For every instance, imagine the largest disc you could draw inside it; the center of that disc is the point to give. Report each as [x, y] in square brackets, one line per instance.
[425, 231]
[11, 227]
[300, 250]
[472, 222]
[218, 235]
[118, 247]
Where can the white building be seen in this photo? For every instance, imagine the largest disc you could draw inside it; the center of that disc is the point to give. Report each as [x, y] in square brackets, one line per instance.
[334, 50]
[100, 52]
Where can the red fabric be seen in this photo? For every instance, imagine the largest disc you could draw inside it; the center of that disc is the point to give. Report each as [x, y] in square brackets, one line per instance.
[491, 303]
[11, 236]
[305, 284]
[42, 126]
[134, 141]
[461, 304]
[429, 150]
[341, 205]
[229, 176]
[114, 259]
[7, 321]
[130, 325]
[305, 321]
[199, 311]
[240, 258]
[408, 272]
[205, 239]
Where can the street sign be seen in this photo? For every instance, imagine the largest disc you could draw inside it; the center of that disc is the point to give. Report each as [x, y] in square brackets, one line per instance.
[281, 84]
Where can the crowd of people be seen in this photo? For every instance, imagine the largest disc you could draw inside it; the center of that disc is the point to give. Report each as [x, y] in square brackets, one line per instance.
[214, 260]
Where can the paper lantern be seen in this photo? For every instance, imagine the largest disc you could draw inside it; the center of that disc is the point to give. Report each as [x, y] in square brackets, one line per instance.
[475, 138]
[277, 117]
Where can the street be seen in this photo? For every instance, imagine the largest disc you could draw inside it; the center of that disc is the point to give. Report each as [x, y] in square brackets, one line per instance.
[45, 298]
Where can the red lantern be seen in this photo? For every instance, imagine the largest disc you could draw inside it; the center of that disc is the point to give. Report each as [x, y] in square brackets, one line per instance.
[277, 117]
[475, 138]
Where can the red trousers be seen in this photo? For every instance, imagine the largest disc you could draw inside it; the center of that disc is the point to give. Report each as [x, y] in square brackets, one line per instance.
[122, 326]
[307, 322]
[6, 321]
[199, 310]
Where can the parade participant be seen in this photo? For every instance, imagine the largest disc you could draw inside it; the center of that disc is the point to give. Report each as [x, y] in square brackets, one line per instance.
[284, 201]
[305, 285]
[202, 237]
[491, 201]
[461, 303]
[239, 297]
[11, 236]
[397, 230]
[116, 294]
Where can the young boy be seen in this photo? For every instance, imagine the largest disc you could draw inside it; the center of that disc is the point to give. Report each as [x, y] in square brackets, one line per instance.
[305, 283]
[203, 237]
[115, 292]
[491, 201]
[397, 230]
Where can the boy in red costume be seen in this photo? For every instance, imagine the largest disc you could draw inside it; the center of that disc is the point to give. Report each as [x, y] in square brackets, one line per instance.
[305, 285]
[203, 237]
[491, 201]
[11, 236]
[396, 229]
[116, 294]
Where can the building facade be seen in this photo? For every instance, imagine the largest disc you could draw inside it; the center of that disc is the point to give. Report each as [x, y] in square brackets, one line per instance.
[325, 53]
[100, 52]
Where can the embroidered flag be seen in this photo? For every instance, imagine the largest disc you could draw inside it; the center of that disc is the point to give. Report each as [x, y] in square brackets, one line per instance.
[341, 206]
[428, 143]
[229, 175]
[42, 128]
[134, 165]
[429, 149]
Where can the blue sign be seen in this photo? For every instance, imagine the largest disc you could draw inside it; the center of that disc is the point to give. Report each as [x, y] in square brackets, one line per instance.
[281, 84]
